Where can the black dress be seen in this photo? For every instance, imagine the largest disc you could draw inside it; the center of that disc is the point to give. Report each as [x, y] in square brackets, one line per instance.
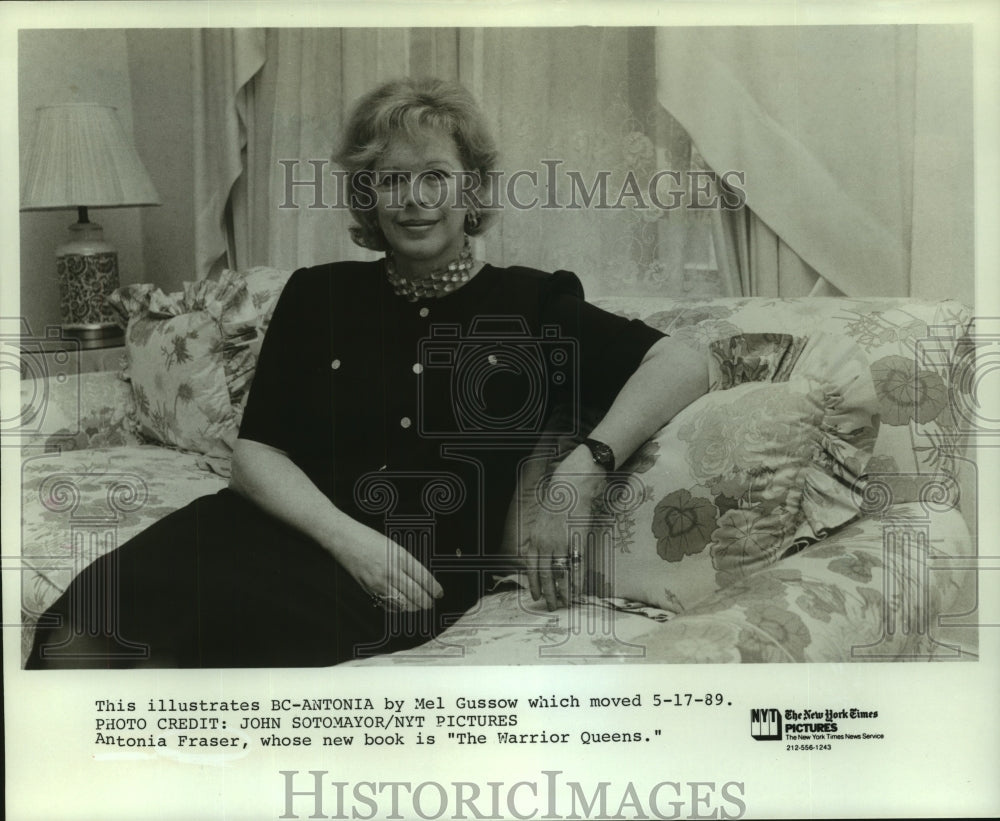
[412, 417]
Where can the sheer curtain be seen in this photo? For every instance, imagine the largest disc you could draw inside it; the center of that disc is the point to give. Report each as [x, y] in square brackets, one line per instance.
[561, 101]
[583, 101]
[856, 145]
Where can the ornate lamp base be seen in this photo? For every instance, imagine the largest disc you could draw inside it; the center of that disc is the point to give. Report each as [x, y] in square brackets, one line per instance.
[87, 266]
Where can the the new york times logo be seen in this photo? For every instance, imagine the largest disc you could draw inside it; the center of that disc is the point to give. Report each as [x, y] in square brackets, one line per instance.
[765, 724]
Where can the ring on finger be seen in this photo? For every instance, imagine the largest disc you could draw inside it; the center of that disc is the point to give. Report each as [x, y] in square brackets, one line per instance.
[387, 602]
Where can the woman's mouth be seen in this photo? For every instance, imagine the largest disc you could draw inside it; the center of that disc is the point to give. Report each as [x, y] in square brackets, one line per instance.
[416, 224]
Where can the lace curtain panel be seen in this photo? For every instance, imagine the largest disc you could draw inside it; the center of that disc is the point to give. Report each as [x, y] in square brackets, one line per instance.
[584, 103]
[565, 104]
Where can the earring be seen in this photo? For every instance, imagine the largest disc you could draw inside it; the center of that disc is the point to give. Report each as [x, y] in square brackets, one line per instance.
[472, 220]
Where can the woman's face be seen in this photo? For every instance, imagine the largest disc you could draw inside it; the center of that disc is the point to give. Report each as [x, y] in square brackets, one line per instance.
[419, 202]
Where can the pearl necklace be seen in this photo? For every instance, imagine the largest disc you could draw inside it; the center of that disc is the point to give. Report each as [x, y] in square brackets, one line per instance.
[437, 283]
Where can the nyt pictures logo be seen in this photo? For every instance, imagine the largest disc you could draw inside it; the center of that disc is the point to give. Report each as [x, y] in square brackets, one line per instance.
[765, 724]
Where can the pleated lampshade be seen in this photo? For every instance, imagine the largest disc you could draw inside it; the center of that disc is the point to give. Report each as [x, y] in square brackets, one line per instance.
[81, 156]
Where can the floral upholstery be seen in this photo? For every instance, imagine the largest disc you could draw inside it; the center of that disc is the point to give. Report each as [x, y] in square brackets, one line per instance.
[102, 495]
[264, 286]
[191, 356]
[752, 358]
[819, 604]
[831, 602]
[77, 413]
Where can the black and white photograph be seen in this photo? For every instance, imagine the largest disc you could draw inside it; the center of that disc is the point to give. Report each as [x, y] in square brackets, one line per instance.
[459, 410]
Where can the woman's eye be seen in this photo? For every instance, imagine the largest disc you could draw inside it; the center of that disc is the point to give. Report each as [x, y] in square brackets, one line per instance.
[388, 180]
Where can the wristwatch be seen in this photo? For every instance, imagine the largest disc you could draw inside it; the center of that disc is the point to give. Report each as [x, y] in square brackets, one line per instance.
[602, 453]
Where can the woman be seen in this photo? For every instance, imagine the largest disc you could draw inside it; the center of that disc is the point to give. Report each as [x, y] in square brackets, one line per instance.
[393, 398]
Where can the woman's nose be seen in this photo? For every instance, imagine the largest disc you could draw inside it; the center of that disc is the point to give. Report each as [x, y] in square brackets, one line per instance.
[406, 193]
[413, 190]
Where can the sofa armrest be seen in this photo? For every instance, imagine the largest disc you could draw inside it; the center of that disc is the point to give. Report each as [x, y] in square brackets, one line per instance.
[876, 590]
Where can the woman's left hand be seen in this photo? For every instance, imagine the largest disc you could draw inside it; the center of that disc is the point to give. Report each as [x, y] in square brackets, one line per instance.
[556, 557]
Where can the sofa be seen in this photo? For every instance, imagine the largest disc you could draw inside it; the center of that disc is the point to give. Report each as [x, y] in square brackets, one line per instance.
[818, 505]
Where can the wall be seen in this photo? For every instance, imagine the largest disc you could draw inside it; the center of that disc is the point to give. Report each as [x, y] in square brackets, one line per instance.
[159, 64]
[942, 259]
[146, 75]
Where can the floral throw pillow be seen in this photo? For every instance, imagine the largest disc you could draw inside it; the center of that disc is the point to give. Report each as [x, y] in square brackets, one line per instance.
[736, 481]
[264, 286]
[189, 360]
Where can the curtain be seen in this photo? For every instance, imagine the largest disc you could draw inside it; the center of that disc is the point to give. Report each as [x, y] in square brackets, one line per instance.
[224, 62]
[856, 148]
[561, 102]
[760, 262]
[274, 101]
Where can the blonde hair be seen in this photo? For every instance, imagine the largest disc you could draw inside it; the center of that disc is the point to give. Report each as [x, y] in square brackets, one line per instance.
[409, 107]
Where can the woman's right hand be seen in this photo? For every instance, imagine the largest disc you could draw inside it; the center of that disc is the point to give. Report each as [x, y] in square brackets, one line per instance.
[387, 570]
[269, 478]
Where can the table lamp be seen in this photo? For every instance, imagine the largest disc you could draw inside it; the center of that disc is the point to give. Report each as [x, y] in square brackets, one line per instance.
[80, 157]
